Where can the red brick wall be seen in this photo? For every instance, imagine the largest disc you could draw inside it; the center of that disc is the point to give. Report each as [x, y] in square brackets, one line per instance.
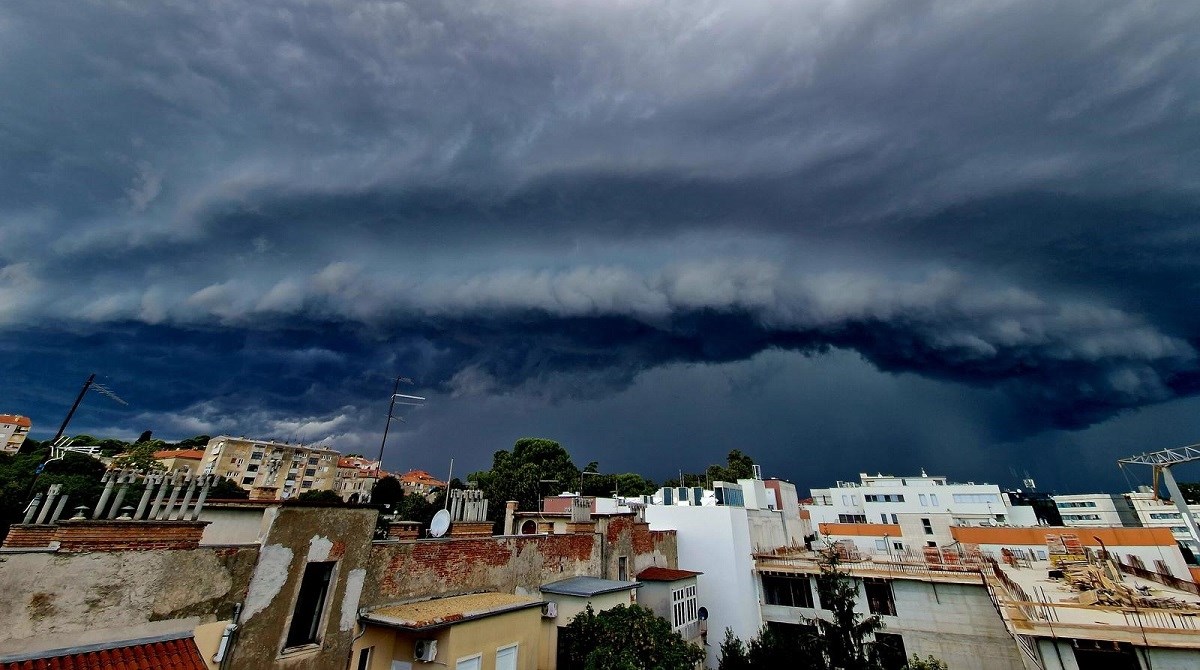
[77, 536]
[28, 536]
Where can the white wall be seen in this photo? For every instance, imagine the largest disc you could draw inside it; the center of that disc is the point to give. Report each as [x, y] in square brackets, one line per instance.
[716, 541]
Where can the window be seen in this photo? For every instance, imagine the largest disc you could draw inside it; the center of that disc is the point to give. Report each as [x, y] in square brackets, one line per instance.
[881, 545]
[974, 498]
[852, 518]
[310, 604]
[470, 663]
[933, 499]
[364, 658]
[506, 658]
[622, 569]
[928, 526]
[898, 546]
[924, 500]
[895, 519]
[889, 648]
[683, 606]
[882, 518]
[313, 461]
[787, 591]
[1161, 567]
[310, 472]
[253, 467]
[931, 543]
[248, 480]
[256, 456]
[879, 596]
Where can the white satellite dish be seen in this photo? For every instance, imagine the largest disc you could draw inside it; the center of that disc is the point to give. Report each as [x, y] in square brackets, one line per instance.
[440, 523]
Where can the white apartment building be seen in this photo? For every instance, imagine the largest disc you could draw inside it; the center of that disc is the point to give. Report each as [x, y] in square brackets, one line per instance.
[1096, 509]
[1154, 512]
[13, 431]
[271, 470]
[720, 538]
[887, 499]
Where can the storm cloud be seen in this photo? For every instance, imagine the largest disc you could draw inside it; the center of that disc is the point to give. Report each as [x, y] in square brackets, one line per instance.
[253, 215]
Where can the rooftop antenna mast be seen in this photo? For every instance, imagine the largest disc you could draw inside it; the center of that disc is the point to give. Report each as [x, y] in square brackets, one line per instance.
[412, 400]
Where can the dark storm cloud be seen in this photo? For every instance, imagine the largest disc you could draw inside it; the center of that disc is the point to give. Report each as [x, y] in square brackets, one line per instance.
[545, 199]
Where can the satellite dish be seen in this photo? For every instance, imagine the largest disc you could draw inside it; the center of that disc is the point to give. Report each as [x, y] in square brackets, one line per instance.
[440, 523]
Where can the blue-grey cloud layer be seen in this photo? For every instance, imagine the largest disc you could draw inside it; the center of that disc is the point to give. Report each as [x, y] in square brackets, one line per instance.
[247, 211]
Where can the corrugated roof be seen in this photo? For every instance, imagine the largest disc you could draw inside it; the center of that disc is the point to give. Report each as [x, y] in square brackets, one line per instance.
[657, 574]
[179, 653]
[587, 586]
[438, 612]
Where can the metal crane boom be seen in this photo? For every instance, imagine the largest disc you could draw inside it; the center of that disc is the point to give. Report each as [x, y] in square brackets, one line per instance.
[1162, 461]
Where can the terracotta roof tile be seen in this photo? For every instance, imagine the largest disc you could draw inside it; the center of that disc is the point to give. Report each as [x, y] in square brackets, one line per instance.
[15, 418]
[177, 654]
[657, 574]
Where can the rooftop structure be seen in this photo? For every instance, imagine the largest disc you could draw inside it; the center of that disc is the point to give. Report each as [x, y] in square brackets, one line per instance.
[587, 587]
[434, 613]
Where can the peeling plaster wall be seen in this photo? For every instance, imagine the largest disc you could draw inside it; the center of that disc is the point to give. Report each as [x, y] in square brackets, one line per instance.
[404, 570]
[298, 536]
[54, 599]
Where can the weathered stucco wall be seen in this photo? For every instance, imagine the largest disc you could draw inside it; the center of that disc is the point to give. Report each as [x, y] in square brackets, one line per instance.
[58, 599]
[299, 536]
[404, 570]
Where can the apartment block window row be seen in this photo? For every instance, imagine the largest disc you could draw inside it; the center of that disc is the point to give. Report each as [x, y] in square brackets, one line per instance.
[1165, 515]
[1068, 505]
[978, 498]
[852, 518]
[930, 499]
[1081, 517]
[884, 498]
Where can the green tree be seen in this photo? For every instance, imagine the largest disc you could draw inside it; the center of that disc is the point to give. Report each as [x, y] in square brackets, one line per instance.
[929, 663]
[79, 476]
[844, 636]
[197, 442]
[387, 491]
[733, 653]
[325, 497]
[520, 475]
[224, 488]
[624, 638]
[737, 466]
[140, 457]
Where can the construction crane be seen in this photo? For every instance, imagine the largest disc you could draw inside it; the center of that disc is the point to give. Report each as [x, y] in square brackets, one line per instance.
[1161, 462]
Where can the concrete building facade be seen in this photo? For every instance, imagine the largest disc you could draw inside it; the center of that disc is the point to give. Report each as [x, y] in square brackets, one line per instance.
[271, 470]
[14, 428]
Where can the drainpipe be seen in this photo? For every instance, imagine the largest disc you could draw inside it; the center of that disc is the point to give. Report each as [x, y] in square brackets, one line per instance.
[221, 658]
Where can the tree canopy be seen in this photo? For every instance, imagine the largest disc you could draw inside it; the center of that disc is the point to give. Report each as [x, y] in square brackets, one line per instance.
[624, 638]
[737, 466]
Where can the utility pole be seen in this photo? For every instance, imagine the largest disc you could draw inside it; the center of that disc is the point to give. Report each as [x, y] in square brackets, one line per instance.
[405, 400]
[78, 399]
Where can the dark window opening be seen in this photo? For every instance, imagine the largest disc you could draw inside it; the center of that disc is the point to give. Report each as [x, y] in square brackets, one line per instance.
[622, 569]
[879, 596]
[364, 658]
[787, 591]
[310, 604]
[928, 526]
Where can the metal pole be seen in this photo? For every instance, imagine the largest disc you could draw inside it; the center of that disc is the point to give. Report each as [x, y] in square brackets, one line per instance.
[1177, 496]
[388, 425]
[78, 399]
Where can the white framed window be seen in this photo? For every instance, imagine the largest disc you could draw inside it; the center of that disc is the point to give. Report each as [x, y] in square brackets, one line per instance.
[506, 657]
[469, 663]
[924, 500]
[683, 606]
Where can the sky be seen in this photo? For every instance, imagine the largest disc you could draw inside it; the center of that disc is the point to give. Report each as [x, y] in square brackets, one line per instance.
[842, 237]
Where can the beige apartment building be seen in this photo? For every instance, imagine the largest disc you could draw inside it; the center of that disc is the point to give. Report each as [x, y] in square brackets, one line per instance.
[271, 470]
[14, 428]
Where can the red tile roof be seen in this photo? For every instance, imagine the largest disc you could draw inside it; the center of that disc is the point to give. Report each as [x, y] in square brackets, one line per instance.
[657, 574]
[177, 654]
[420, 477]
[15, 418]
[195, 454]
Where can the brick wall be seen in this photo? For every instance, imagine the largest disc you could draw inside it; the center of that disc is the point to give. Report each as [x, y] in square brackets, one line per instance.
[29, 536]
[78, 536]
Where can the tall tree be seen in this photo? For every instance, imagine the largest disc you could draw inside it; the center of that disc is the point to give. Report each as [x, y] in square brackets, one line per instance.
[533, 468]
[624, 638]
[844, 636]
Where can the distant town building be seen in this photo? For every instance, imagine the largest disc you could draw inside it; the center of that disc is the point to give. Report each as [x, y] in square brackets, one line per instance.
[271, 470]
[883, 499]
[1096, 509]
[356, 477]
[180, 460]
[420, 482]
[14, 428]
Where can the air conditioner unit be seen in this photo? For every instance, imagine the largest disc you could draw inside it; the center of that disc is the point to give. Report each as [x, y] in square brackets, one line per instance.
[550, 609]
[425, 650]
